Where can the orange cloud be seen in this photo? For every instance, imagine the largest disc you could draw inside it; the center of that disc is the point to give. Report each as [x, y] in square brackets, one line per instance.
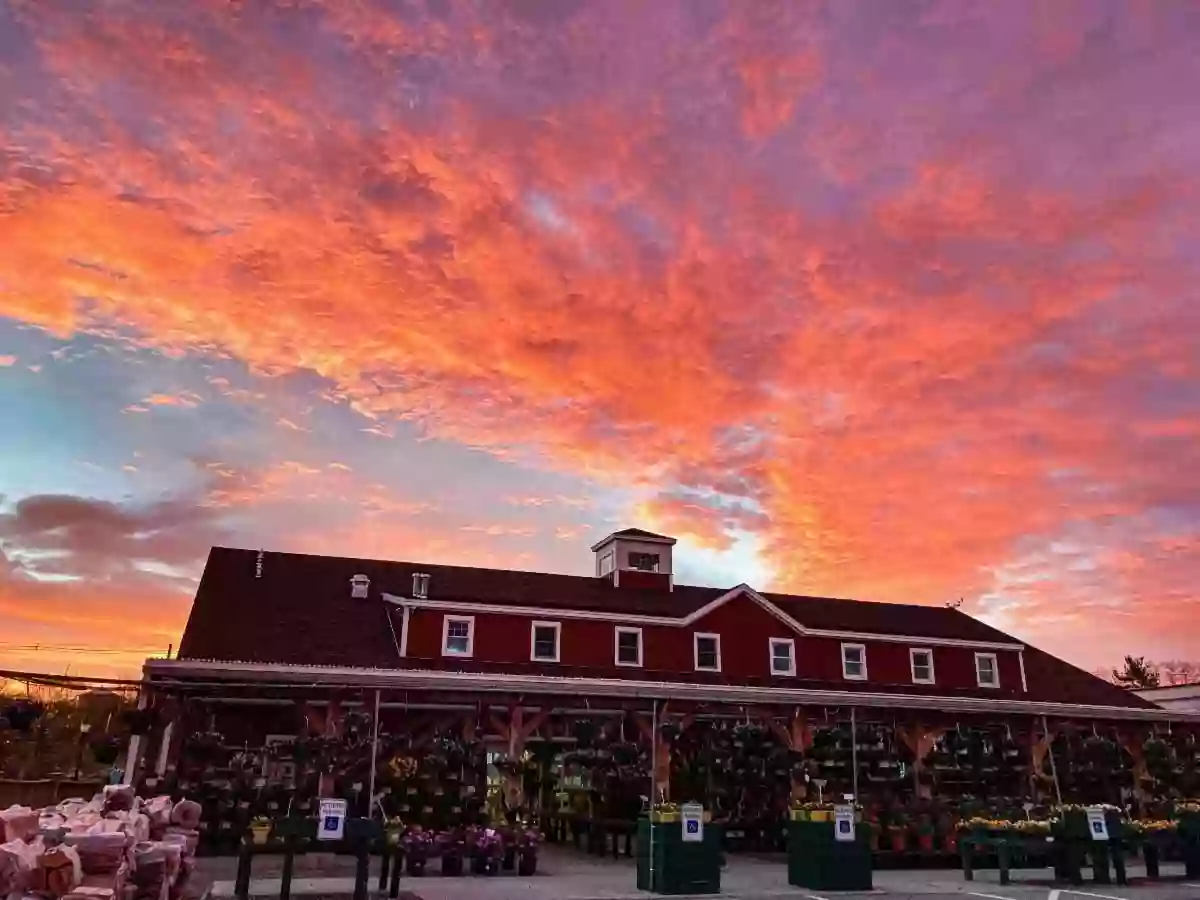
[911, 359]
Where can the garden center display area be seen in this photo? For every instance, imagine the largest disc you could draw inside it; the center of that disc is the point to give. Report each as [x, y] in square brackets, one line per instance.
[474, 713]
[578, 770]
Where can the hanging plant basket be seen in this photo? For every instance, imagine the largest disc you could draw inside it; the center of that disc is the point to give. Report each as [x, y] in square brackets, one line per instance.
[669, 731]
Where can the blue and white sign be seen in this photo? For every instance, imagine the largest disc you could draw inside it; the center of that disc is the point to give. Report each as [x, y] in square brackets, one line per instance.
[331, 820]
[1097, 826]
[692, 817]
[843, 823]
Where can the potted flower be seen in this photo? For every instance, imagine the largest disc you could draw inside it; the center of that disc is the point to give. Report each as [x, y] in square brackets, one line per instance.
[451, 845]
[663, 813]
[925, 830]
[393, 830]
[897, 830]
[260, 830]
[417, 844]
[487, 851]
[527, 851]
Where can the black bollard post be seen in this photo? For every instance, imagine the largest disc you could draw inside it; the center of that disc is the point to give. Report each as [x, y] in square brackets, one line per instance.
[362, 871]
[397, 865]
[1118, 859]
[289, 863]
[1100, 873]
[1150, 855]
[385, 861]
[241, 885]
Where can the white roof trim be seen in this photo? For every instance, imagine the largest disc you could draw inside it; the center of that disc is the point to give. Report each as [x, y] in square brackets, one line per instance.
[509, 609]
[161, 670]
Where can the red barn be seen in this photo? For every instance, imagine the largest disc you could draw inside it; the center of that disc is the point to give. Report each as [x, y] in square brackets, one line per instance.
[524, 655]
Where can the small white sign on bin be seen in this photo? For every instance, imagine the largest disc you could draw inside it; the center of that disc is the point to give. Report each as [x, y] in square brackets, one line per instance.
[331, 824]
[692, 817]
[843, 823]
[1097, 827]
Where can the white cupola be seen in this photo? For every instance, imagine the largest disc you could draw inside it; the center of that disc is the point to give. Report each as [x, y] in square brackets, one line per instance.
[634, 550]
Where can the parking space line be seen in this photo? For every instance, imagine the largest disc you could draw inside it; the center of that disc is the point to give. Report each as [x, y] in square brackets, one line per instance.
[989, 896]
[1086, 894]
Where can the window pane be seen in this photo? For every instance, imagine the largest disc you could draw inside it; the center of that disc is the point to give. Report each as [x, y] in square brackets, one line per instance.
[645, 562]
[545, 642]
[781, 656]
[628, 649]
[853, 655]
[706, 653]
[458, 636]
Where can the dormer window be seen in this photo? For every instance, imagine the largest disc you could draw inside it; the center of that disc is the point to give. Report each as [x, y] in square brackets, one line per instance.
[420, 585]
[707, 652]
[921, 662]
[544, 640]
[458, 636]
[987, 673]
[783, 656]
[644, 562]
[360, 587]
[854, 662]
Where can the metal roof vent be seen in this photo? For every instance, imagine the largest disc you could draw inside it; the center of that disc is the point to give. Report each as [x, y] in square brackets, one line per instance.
[360, 586]
[420, 585]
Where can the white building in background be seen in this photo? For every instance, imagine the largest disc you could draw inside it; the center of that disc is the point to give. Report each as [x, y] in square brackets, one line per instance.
[1183, 697]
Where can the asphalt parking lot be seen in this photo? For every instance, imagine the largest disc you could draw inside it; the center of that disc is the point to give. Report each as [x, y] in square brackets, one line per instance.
[567, 875]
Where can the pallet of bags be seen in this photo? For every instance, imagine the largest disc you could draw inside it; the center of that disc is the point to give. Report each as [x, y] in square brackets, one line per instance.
[102, 850]
[58, 872]
[17, 862]
[17, 823]
[158, 811]
[150, 876]
[101, 887]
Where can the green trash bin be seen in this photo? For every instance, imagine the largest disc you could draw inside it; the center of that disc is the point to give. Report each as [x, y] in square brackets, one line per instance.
[679, 866]
[818, 861]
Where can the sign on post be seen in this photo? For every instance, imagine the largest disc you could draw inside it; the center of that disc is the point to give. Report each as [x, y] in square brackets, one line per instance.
[692, 817]
[331, 820]
[843, 823]
[1097, 827]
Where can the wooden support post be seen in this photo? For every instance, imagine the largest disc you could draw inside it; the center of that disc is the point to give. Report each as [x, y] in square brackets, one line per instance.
[797, 736]
[920, 738]
[516, 732]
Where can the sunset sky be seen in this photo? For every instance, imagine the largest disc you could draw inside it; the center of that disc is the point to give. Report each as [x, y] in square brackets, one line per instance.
[890, 300]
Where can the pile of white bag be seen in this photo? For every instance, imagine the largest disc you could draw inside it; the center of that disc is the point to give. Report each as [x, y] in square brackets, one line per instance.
[113, 847]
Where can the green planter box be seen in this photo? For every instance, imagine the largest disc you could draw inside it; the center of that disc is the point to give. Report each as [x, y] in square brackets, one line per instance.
[818, 861]
[679, 867]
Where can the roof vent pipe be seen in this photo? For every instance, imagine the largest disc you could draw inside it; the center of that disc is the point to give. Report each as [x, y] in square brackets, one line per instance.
[360, 586]
[420, 585]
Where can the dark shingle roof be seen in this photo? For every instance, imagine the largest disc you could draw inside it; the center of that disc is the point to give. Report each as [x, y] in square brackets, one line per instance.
[300, 611]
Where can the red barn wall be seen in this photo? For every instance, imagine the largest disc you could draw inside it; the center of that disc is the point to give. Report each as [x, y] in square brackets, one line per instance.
[745, 628]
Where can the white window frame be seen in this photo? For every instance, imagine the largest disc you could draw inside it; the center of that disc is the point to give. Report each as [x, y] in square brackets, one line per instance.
[995, 670]
[790, 643]
[862, 649]
[533, 627]
[912, 665]
[696, 636]
[470, 651]
[625, 629]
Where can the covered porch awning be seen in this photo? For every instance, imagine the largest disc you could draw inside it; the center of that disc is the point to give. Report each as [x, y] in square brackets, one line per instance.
[190, 675]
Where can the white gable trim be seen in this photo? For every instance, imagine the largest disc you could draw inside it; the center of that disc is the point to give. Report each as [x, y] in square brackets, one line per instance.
[541, 612]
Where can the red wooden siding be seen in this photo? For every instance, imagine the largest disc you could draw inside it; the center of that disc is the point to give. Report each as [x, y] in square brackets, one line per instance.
[745, 628]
